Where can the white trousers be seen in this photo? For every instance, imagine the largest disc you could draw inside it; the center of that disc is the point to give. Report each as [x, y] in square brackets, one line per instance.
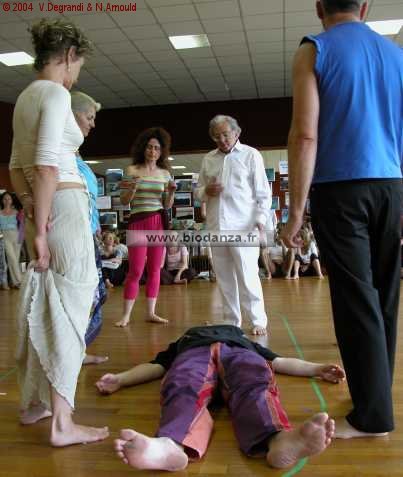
[13, 250]
[237, 273]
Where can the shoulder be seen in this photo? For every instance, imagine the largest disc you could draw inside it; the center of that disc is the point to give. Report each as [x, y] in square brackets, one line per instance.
[56, 91]
[132, 170]
[164, 173]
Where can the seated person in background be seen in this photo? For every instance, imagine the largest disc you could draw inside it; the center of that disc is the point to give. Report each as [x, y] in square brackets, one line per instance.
[277, 260]
[112, 270]
[220, 357]
[306, 257]
[176, 268]
[121, 247]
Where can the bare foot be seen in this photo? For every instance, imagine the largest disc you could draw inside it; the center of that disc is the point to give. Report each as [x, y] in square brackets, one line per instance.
[295, 277]
[157, 453]
[312, 438]
[93, 359]
[287, 277]
[34, 414]
[332, 373]
[321, 277]
[156, 319]
[4, 287]
[108, 384]
[108, 283]
[182, 281]
[72, 433]
[344, 430]
[259, 331]
[123, 322]
[267, 277]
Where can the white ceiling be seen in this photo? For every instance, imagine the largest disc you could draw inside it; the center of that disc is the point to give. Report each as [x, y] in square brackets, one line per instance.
[252, 45]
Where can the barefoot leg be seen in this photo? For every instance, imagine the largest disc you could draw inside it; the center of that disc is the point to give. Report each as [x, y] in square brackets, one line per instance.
[64, 431]
[93, 359]
[151, 315]
[259, 331]
[152, 453]
[344, 430]
[127, 309]
[312, 438]
[34, 413]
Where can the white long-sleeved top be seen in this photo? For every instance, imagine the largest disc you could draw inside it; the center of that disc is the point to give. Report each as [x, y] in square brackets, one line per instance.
[246, 198]
[45, 131]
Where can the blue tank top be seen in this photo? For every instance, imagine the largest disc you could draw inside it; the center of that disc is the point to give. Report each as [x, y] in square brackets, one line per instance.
[8, 222]
[360, 82]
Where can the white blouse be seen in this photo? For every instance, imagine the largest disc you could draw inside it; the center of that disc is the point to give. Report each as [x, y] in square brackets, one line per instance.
[45, 131]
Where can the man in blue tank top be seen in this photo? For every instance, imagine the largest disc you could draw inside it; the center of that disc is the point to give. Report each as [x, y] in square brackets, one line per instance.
[346, 147]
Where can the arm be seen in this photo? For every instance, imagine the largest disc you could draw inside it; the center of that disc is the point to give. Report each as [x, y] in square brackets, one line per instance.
[23, 191]
[127, 194]
[302, 139]
[169, 193]
[142, 373]
[297, 367]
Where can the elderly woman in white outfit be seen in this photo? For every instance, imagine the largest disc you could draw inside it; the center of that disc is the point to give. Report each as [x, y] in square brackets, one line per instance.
[233, 184]
[57, 294]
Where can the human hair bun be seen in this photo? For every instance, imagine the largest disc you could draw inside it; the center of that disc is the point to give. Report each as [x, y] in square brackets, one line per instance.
[51, 38]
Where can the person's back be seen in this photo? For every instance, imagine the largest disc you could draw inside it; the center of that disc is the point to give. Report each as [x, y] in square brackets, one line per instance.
[360, 82]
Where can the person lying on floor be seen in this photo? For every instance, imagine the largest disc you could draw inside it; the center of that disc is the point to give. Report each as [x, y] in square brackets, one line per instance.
[221, 357]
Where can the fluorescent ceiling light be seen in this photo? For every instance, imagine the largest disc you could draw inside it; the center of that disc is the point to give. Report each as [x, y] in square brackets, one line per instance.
[92, 162]
[189, 41]
[178, 167]
[187, 173]
[171, 159]
[15, 59]
[386, 27]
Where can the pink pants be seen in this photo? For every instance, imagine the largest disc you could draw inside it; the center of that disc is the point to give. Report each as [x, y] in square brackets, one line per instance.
[137, 260]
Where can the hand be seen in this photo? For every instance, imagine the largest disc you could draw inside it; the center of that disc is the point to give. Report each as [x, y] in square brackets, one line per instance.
[133, 184]
[43, 253]
[215, 188]
[331, 373]
[289, 233]
[172, 187]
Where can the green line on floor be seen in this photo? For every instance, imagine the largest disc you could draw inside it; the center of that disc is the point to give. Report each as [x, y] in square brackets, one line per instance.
[7, 374]
[323, 405]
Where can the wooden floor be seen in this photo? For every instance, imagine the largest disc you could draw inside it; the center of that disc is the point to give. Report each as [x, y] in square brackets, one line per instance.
[299, 309]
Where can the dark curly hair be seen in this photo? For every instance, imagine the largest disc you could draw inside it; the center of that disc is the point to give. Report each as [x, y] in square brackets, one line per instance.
[139, 146]
[53, 38]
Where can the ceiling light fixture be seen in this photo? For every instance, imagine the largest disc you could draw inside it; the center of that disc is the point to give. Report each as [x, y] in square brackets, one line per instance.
[92, 162]
[386, 27]
[178, 167]
[16, 59]
[184, 42]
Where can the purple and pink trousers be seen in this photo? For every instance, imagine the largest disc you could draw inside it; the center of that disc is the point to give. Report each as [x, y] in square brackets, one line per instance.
[247, 384]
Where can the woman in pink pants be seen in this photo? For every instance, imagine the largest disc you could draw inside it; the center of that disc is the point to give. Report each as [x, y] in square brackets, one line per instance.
[149, 190]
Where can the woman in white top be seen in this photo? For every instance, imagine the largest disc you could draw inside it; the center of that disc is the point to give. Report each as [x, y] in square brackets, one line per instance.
[57, 293]
[307, 257]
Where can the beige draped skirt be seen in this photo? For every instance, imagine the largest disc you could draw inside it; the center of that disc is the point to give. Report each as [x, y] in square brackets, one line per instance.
[55, 305]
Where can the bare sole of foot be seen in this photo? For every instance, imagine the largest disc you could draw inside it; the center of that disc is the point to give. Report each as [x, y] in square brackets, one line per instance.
[34, 414]
[122, 323]
[108, 384]
[344, 430]
[259, 331]
[312, 438]
[157, 319]
[76, 434]
[93, 359]
[152, 453]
